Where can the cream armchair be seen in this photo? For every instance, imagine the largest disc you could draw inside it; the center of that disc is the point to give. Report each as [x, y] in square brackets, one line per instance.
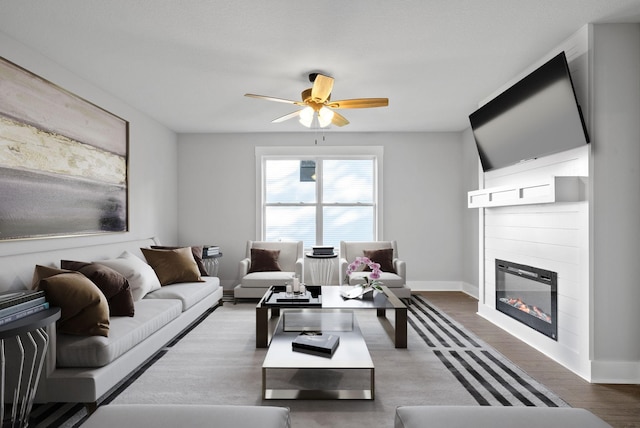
[253, 284]
[393, 276]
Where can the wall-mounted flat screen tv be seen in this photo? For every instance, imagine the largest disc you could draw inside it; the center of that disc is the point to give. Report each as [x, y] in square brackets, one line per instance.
[537, 116]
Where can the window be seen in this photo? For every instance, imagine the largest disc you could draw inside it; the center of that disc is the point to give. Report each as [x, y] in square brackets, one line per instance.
[319, 199]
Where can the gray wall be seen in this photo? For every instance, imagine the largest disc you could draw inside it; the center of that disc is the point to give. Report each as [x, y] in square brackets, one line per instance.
[470, 217]
[422, 190]
[152, 160]
[615, 241]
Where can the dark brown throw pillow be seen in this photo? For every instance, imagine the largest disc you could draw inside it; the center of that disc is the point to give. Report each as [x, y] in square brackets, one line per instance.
[384, 257]
[83, 308]
[113, 285]
[173, 266]
[263, 260]
[197, 255]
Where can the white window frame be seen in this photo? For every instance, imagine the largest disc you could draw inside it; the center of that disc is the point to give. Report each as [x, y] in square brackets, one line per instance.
[263, 154]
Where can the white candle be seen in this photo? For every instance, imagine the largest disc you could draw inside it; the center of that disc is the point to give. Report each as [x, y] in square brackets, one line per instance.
[303, 289]
[296, 284]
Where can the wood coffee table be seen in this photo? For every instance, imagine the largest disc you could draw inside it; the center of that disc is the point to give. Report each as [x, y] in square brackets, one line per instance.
[330, 298]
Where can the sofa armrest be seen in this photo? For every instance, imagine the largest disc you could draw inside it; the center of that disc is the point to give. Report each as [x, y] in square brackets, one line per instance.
[401, 268]
[243, 268]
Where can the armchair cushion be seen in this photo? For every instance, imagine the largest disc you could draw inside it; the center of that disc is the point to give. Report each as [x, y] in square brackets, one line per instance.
[390, 280]
[384, 257]
[263, 260]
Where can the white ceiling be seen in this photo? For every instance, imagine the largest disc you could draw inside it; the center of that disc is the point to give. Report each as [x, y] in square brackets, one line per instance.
[188, 63]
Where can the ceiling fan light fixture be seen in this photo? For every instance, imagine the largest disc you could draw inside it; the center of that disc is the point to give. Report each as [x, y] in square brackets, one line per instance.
[306, 116]
[325, 115]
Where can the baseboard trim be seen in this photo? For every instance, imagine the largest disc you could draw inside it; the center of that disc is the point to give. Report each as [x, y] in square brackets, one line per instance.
[619, 372]
[444, 286]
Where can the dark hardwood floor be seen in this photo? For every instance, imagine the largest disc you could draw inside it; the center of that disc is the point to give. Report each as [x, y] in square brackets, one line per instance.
[618, 405]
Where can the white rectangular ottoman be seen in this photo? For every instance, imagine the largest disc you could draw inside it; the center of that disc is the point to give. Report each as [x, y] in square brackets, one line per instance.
[189, 415]
[495, 417]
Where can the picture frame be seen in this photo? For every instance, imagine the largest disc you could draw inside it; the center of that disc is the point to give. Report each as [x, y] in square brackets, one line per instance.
[63, 161]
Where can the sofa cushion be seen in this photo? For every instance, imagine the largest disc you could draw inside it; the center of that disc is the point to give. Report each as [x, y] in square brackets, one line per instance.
[142, 278]
[125, 333]
[189, 293]
[113, 285]
[266, 279]
[263, 260]
[197, 256]
[83, 307]
[173, 266]
[384, 257]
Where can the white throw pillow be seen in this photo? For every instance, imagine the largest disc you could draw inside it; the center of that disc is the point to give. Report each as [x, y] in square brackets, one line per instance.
[142, 278]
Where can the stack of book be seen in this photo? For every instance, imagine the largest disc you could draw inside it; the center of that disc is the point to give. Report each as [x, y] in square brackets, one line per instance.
[320, 344]
[210, 250]
[322, 251]
[19, 304]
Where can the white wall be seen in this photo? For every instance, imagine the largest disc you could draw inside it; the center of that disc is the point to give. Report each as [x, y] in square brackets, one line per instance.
[423, 197]
[152, 160]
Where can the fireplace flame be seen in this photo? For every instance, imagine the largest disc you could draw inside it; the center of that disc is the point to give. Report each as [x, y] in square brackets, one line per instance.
[528, 309]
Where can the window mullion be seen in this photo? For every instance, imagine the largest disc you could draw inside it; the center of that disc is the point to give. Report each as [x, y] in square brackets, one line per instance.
[319, 203]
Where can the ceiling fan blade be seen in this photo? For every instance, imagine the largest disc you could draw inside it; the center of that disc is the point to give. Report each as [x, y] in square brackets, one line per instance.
[339, 120]
[360, 103]
[280, 100]
[286, 117]
[322, 87]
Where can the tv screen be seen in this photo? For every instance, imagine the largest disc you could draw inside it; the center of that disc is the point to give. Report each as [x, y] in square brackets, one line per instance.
[535, 117]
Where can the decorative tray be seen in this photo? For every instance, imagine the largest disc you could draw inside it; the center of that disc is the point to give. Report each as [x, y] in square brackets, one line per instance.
[277, 296]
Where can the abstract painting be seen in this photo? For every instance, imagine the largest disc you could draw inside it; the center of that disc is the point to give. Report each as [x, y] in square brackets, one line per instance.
[63, 161]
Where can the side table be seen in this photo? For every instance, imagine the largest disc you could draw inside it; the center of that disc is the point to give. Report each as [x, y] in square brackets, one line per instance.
[321, 267]
[211, 263]
[24, 341]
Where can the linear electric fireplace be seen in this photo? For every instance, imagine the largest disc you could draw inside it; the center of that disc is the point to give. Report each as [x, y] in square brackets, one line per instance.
[528, 294]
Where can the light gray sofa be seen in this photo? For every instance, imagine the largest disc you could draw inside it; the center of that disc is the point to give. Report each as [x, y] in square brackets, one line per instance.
[253, 285]
[82, 369]
[494, 417]
[190, 415]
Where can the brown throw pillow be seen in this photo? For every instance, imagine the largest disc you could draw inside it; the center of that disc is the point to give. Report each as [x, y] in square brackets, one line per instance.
[173, 266]
[263, 260]
[113, 285]
[42, 272]
[384, 257]
[197, 256]
[83, 308]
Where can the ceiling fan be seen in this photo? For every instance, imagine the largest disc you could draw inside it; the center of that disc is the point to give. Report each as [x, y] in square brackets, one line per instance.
[318, 109]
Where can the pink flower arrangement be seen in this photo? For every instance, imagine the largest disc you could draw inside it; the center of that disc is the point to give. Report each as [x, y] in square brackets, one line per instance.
[373, 279]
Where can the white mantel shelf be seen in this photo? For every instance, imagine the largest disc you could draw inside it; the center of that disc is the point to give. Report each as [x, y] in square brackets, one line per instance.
[555, 189]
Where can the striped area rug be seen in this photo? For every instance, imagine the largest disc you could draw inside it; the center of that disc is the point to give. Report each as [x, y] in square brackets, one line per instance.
[489, 377]
[486, 374]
